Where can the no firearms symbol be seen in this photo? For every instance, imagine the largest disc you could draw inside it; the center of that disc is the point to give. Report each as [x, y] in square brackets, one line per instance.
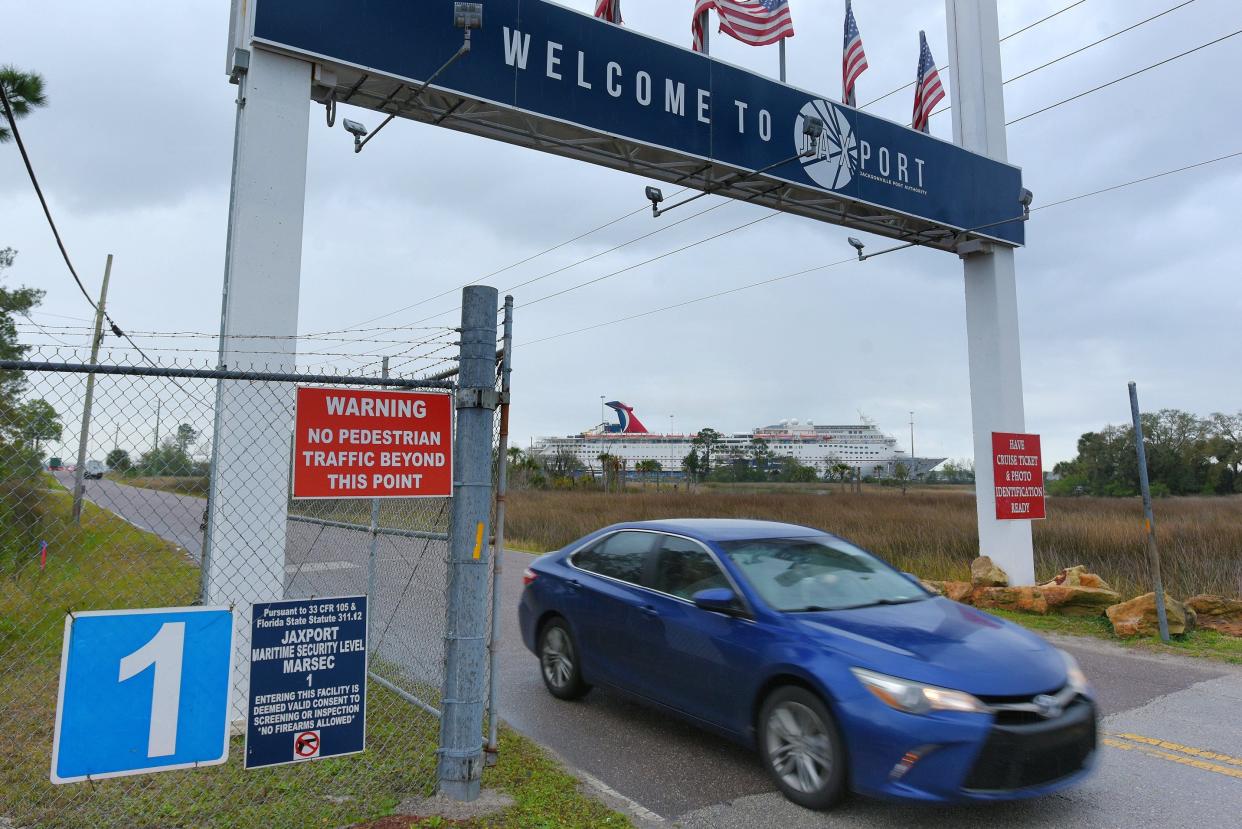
[306, 745]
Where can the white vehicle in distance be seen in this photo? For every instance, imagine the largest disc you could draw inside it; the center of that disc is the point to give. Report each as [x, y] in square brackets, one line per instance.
[95, 469]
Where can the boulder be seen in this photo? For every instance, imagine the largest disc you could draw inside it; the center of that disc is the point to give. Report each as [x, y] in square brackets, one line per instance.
[958, 591]
[1067, 600]
[1024, 599]
[985, 573]
[1217, 613]
[1077, 576]
[1137, 617]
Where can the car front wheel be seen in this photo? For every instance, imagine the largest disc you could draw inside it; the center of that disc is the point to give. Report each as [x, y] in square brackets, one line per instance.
[558, 661]
[802, 748]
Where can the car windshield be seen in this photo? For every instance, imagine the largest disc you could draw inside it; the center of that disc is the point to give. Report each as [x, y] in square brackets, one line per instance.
[819, 573]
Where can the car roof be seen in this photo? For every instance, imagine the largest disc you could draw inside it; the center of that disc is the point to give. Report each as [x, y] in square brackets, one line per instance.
[722, 529]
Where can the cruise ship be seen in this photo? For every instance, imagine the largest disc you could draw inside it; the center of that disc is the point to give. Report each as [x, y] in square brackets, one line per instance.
[860, 446]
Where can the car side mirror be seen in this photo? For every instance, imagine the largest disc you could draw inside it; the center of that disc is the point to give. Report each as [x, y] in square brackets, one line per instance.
[718, 600]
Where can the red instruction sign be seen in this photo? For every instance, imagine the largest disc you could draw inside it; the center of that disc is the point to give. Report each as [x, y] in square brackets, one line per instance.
[1018, 476]
[372, 443]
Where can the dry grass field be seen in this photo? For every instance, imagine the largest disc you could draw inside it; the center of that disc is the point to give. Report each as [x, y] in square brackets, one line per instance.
[932, 533]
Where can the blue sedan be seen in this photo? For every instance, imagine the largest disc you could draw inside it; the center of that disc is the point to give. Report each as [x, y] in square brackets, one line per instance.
[841, 671]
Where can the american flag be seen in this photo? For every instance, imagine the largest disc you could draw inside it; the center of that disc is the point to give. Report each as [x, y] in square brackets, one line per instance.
[754, 22]
[853, 58]
[927, 89]
[609, 10]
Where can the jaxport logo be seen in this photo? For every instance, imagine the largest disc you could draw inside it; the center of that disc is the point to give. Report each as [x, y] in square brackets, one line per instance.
[837, 161]
[843, 155]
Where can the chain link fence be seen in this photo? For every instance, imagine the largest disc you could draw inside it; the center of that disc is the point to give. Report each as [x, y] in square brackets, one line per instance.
[142, 541]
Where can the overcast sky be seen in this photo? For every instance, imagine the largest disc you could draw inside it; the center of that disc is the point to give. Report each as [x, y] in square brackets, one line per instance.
[134, 153]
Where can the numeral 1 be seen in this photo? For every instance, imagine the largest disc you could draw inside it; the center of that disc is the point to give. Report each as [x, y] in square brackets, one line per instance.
[164, 651]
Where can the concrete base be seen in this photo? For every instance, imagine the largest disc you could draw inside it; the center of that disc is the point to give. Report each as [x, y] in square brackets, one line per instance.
[489, 802]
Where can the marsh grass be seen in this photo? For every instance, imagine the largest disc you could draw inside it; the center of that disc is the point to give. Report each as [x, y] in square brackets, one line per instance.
[933, 533]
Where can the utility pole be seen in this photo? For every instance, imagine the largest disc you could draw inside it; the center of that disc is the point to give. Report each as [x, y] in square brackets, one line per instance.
[465, 630]
[1153, 552]
[913, 466]
[79, 486]
[990, 278]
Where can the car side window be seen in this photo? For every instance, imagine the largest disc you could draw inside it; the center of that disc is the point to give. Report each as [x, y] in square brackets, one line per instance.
[683, 568]
[619, 556]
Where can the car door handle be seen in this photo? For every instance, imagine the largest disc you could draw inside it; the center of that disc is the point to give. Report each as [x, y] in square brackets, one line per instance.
[649, 610]
[573, 584]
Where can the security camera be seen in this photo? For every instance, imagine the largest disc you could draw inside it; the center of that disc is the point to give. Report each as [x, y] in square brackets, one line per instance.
[655, 195]
[468, 15]
[857, 245]
[354, 128]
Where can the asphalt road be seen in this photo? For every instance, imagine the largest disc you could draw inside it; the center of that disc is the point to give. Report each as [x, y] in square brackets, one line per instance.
[693, 779]
[1172, 754]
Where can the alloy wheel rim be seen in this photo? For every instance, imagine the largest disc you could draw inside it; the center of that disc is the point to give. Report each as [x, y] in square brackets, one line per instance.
[558, 658]
[799, 747]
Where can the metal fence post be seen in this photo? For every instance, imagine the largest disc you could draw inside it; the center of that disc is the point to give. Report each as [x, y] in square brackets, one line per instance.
[374, 548]
[1153, 552]
[461, 722]
[498, 541]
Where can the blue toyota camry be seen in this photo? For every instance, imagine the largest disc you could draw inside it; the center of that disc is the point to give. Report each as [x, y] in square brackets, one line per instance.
[841, 671]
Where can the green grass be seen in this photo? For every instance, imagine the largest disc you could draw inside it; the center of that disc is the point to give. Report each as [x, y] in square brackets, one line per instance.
[108, 563]
[1207, 644]
[178, 485]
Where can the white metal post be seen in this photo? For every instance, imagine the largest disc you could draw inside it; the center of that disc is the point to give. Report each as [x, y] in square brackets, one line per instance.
[244, 557]
[991, 282]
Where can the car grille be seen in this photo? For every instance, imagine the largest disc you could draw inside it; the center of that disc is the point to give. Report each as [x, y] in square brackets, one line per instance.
[1022, 752]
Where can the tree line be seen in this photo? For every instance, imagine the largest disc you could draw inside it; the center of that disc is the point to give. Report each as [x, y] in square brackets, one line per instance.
[1186, 455]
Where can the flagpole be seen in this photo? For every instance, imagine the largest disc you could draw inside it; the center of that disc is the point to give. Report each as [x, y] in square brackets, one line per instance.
[782, 42]
[707, 50]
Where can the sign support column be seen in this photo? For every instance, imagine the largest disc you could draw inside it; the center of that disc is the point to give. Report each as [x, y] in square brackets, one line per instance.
[991, 282]
[244, 554]
[465, 629]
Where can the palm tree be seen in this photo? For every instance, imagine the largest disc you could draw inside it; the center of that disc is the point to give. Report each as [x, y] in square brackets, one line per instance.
[24, 91]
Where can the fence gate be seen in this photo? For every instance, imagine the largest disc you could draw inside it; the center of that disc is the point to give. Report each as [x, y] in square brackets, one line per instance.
[140, 543]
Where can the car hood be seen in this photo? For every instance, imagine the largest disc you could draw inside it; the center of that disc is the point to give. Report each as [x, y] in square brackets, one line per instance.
[940, 642]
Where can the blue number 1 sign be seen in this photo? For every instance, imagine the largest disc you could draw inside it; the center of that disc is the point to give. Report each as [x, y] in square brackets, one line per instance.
[143, 690]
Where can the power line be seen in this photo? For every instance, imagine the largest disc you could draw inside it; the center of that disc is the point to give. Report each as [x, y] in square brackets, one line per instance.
[1138, 181]
[945, 69]
[1081, 49]
[1101, 40]
[1124, 77]
[805, 271]
[499, 271]
[645, 262]
[34, 180]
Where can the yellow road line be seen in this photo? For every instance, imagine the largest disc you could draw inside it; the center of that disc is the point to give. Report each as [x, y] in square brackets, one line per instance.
[1195, 752]
[1174, 758]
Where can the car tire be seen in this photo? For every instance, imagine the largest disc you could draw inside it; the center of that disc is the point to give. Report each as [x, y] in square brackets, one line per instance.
[801, 747]
[559, 664]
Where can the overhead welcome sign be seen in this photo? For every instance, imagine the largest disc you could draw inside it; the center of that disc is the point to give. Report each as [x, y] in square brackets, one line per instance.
[372, 443]
[686, 111]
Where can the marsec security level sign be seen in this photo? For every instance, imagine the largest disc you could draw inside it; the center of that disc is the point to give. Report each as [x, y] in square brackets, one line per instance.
[308, 680]
[370, 443]
[1018, 476]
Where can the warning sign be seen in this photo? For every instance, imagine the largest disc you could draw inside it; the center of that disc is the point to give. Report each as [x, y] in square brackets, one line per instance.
[308, 680]
[306, 745]
[1018, 476]
[372, 443]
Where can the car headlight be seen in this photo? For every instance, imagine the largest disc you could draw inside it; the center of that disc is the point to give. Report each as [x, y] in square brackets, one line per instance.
[915, 697]
[1075, 678]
